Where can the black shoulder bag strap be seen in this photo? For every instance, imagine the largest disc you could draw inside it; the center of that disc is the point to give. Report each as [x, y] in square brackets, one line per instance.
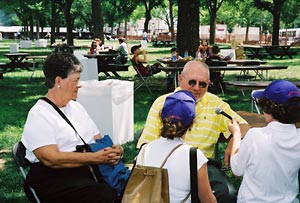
[194, 175]
[64, 117]
[87, 147]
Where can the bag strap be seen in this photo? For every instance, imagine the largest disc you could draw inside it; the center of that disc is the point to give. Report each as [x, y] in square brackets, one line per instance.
[165, 160]
[63, 116]
[170, 153]
[69, 122]
[194, 175]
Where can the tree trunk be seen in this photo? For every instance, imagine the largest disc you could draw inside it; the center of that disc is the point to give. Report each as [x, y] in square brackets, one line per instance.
[97, 19]
[37, 28]
[212, 23]
[69, 23]
[31, 27]
[148, 18]
[172, 21]
[125, 28]
[276, 23]
[247, 32]
[53, 22]
[188, 26]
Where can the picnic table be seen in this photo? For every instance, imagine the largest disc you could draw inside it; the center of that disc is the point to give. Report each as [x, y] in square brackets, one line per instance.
[106, 63]
[258, 70]
[279, 50]
[34, 63]
[255, 52]
[16, 61]
[252, 85]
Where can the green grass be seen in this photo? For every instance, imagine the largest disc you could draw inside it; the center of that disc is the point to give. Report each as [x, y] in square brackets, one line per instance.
[18, 96]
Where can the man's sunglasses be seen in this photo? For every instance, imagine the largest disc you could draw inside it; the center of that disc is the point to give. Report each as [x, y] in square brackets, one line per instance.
[202, 84]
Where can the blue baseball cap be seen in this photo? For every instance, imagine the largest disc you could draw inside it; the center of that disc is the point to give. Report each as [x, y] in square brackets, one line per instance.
[279, 91]
[180, 106]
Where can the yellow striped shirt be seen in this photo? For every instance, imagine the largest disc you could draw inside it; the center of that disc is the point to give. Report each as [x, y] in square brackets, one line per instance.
[206, 128]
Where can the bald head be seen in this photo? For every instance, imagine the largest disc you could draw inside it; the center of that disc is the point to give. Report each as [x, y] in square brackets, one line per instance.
[195, 78]
[195, 67]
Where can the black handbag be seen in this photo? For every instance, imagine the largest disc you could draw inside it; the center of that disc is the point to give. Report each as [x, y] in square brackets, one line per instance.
[79, 148]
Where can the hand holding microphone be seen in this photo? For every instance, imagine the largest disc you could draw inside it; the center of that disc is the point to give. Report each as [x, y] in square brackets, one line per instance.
[220, 111]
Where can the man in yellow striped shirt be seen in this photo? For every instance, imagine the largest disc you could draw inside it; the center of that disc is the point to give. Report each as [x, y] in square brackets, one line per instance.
[207, 126]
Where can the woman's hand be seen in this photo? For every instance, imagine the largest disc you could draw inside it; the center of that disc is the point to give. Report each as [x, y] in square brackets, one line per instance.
[109, 155]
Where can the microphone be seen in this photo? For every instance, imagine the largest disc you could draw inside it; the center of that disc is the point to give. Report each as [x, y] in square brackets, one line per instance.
[220, 111]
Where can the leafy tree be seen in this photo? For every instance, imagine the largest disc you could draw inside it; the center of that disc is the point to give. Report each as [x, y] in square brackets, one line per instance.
[168, 14]
[69, 20]
[188, 26]
[82, 10]
[149, 5]
[274, 8]
[248, 15]
[290, 13]
[213, 7]
[97, 19]
[55, 13]
[126, 9]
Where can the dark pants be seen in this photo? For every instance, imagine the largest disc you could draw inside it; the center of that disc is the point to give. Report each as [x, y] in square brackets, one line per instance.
[68, 185]
[223, 189]
[121, 59]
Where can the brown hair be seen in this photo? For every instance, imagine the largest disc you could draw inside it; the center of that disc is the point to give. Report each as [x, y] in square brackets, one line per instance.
[172, 129]
[282, 112]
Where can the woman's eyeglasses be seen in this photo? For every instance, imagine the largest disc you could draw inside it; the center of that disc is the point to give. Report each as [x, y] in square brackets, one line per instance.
[205, 45]
[201, 84]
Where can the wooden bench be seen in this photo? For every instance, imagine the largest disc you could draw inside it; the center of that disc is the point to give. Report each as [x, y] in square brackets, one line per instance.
[114, 67]
[164, 43]
[3, 67]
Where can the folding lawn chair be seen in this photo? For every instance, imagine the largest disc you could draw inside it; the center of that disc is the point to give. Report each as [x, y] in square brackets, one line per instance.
[18, 153]
[143, 80]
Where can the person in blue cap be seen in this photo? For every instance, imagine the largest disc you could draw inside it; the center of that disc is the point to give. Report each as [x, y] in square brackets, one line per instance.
[268, 158]
[177, 116]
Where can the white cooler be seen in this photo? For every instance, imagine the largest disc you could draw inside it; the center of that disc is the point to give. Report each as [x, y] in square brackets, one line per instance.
[90, 69]
[14, 48]
[110, 104]
[25, 44]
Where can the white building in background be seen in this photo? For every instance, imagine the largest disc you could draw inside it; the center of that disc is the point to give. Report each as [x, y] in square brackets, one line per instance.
[155, 25]
[221, 31]
[239, 34]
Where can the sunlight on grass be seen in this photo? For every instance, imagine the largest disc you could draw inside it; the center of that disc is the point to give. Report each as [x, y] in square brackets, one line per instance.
[18, 95]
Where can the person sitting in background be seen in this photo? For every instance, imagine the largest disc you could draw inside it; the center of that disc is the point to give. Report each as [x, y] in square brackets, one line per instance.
[171, 75]
[177, 116]
[154, 39]
[100, 45]
[203, 51]
[122, 51]
[216, 60]
[268, 157]
[174, 52]
[58, 173]
[93, 48]
[215, 56]
[138, 61]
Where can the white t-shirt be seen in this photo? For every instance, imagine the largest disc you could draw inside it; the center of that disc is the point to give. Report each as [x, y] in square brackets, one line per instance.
[123, 49]
[44, 126]
[178, 164]
[269, 160]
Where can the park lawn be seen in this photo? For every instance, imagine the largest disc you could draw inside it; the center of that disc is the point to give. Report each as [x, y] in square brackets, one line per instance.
[18, 96]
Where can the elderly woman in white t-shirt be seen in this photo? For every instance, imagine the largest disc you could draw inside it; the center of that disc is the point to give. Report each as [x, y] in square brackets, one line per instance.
[58, 173]
[177, 116]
